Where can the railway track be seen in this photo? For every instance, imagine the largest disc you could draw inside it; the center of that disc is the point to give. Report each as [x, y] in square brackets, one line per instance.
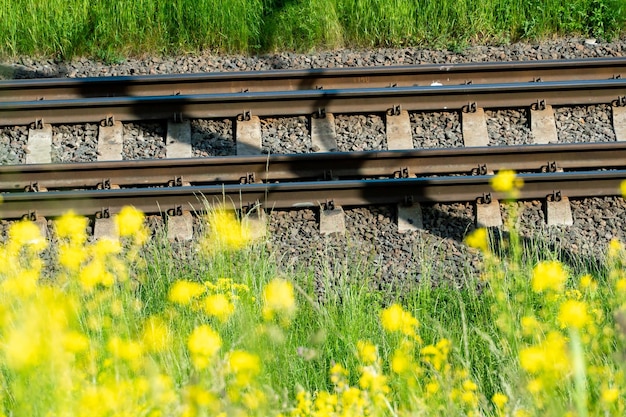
[326, 180]
[312, 79]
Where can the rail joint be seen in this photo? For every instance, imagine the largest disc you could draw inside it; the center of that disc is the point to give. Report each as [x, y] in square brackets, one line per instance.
[485, 199]
[105, 213]
[551, 166]
[555, 196]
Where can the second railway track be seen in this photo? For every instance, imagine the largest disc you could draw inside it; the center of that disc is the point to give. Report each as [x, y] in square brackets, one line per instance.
[323, 179]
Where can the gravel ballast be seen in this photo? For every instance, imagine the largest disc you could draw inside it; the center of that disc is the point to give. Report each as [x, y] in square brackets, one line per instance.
[372, 237]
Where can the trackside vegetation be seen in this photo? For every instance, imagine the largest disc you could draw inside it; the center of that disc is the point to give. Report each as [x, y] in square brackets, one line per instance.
[114, 29]
[115, 327]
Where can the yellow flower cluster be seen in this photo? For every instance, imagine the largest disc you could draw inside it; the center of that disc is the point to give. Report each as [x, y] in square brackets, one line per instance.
[478, 239]
[567, 336]
[215, 299]
[203, 344]
[548, 276]
[226, 232]
[279, 300]
[506, 181]
[396, 319]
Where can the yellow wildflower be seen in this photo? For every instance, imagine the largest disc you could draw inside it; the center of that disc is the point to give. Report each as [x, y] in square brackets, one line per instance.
[23, 347]
[373, 381]
[278, 298]
[129, 221]
[95, 273]
[245, 366]
[227, 231]
[395, 318]
[106, 246]
[253, 399]
[182, 292]
[201, 397]
[338, 376]
[400, 361]
[469, 398]
[128, 350]
[367, 352]
[532, 359]
[573, 313]
[548, 275]
[203, 344]
[623, 188]
[432, 388]
[326, 403]
[550, 356]
[218, 305]
[535, 386]
[615, 248]
[610, 395]
[436, 355]
[73, 227]
[587, 282]
[499, 400]
[353, 401]
[156, 336]
[507, 182]
[530, 325]
[71, 256]
[22, 285]
[303, 404]
[478, 239]
[75, 342]
[26, 233]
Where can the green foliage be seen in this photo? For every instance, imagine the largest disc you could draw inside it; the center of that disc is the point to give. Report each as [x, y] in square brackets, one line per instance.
[110, 30]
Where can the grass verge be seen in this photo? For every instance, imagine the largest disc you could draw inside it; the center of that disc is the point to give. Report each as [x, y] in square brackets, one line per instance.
[111, 30]
[122, 329]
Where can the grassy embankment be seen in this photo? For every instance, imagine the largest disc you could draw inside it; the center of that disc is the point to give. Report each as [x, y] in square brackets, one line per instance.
[124, 331]
[115, 29]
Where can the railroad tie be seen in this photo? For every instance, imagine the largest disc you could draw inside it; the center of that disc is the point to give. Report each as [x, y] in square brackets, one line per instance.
[106, 227]
[332, 220]
[323, 133]
[558, 209]
[178, 141]
[39, 144]
[399, 137]
[619, 122]
[248, 136]
[543, 125]
[398, 131]
[42, 223]
[324, 139]
[488, 212]
[474, 126]
[180, 227]
[410, 217]
[110, 142]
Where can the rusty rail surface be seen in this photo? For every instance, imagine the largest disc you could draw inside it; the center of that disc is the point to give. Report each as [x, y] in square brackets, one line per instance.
[313, 167]
[311, 79]
[305, 102]
[174, 200]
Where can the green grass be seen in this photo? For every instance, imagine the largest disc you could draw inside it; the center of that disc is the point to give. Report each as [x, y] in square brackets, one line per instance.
[112, 30]
[112, 334]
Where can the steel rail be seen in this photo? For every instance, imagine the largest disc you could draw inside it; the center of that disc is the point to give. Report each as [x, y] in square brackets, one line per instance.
[310, 79]
[308, 194]
[286, 103]
[317, 166]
